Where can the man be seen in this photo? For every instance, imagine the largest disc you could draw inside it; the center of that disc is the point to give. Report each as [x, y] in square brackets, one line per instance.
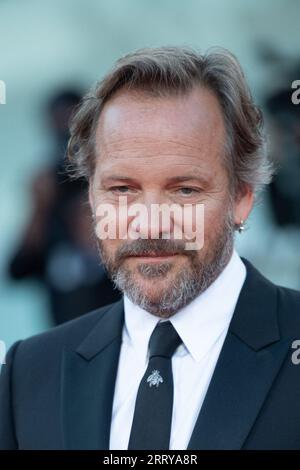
[199, 352]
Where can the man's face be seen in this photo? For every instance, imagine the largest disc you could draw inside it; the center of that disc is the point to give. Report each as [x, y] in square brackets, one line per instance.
[166, 150]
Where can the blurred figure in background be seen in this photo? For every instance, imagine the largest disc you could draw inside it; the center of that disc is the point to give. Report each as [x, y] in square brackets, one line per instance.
[58, 247]
[285, 129]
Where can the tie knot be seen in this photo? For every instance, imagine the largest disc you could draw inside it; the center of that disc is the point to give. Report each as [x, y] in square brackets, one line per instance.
[164, 340]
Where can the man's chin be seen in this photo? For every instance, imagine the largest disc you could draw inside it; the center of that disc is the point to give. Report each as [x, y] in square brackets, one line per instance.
[152, 285]
[150, 299]
[163, 295]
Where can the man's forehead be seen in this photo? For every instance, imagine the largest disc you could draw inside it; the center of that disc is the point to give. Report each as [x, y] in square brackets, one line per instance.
[157, 170]
[176, 173]
[148, 120]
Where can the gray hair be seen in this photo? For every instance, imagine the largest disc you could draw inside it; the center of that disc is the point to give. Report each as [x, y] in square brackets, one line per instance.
[175, 71]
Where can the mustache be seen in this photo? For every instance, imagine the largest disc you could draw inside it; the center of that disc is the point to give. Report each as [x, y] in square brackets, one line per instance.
[152, 247]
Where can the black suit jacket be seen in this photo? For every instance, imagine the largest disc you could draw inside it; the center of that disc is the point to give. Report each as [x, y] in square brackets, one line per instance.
[56, 389]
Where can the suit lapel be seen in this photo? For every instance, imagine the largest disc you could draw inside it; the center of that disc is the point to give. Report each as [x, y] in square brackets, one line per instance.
[236, 393]
[88, 380]
[250, 359]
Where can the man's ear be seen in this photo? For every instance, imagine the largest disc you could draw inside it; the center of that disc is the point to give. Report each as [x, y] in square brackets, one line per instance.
[244, 204]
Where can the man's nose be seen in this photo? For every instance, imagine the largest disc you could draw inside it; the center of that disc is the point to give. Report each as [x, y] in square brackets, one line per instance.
[154, 220]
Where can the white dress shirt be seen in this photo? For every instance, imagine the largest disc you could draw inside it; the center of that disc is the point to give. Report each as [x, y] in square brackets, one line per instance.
[202, 326]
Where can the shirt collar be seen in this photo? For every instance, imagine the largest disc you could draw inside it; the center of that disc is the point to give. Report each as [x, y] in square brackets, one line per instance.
[200, 323]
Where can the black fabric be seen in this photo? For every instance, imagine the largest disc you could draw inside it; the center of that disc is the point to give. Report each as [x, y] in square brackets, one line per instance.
[151, 426]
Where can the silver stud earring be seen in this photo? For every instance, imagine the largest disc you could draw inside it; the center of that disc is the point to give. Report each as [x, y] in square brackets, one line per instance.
[241, 226]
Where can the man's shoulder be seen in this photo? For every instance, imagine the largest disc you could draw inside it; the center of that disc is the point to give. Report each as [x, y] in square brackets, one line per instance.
[68, 335]
[288, 310]
[288, 295]
[282, 301]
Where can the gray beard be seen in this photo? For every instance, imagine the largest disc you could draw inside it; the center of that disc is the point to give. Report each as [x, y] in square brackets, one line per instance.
[188, 283]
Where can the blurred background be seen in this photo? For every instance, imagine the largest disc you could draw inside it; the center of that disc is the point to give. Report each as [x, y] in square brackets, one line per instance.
[53, 51]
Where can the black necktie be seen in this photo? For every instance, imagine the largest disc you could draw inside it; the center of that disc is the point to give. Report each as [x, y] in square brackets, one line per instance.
[151, 426]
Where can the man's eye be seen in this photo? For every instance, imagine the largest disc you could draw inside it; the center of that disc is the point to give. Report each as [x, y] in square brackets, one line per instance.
[188, 191]
[120, 189]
